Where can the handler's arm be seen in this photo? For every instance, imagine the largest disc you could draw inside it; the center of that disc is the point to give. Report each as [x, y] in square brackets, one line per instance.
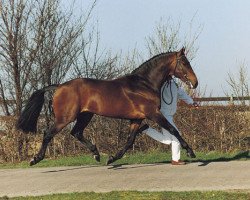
[185, 97]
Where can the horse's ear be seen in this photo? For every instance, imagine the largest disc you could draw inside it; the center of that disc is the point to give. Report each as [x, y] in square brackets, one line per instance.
[182, 51]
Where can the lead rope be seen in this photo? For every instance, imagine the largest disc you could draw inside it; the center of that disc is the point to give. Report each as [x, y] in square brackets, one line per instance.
[171, 93]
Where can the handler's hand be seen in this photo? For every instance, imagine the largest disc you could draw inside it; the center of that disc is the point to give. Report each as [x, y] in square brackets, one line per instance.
[195, 104]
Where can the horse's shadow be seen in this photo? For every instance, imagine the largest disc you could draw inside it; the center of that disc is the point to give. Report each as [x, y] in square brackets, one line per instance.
[128, 166]
[70, 169]
[204, 162]
[240, 155]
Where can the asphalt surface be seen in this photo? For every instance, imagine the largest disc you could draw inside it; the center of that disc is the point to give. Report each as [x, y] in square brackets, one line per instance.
[233, 175]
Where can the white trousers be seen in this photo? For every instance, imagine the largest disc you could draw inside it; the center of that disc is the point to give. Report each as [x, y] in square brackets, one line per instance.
[167, 138]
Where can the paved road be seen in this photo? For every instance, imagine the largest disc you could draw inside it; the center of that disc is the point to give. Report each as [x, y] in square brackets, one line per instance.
[150, 177]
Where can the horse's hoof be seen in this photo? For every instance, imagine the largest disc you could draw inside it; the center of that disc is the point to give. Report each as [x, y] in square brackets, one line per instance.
[110, 160]
[33, 162]
[97, 158]
[191, 154]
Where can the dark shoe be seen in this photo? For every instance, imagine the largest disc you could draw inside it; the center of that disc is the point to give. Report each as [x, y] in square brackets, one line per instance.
[179, 162]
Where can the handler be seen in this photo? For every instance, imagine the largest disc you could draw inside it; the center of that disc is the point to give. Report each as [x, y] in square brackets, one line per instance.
[170, 94]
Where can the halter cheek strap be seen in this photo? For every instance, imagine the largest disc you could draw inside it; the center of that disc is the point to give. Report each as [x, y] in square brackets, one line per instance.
[168, 83]
[178, 64]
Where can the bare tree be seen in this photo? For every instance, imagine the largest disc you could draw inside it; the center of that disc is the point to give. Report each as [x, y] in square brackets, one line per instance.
[239, 83]
[61, 44]
[168, 36]
[13, 28]
[39, 45]
[3, 100]
[94, 62]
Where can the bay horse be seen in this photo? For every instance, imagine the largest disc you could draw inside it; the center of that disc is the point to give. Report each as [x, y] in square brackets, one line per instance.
[135, 97]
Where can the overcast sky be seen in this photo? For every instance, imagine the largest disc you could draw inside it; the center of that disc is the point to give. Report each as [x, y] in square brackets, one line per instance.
[223, 44]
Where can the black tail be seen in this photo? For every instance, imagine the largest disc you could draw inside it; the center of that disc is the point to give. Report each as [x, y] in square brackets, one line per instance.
[27, 121]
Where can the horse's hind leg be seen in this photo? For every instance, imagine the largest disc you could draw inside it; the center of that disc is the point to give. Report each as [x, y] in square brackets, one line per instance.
[134, 126]
[83, 120]
[47, 137]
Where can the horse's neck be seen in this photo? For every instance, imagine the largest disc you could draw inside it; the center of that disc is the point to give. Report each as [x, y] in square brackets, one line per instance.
[159, 73]
[156, 70]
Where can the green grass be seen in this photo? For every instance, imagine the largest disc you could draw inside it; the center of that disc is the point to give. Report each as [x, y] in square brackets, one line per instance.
[132, 158]
[134, 195]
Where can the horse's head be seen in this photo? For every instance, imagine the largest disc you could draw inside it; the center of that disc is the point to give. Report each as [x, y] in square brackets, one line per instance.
[183, 70]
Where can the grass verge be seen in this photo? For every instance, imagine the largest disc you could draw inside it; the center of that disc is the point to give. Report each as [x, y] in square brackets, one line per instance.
[128, 195]
[132, 158]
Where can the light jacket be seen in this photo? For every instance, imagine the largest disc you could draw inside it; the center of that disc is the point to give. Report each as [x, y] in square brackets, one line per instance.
[170, 94]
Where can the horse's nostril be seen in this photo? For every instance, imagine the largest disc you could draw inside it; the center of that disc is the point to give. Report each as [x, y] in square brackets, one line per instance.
[196, 84]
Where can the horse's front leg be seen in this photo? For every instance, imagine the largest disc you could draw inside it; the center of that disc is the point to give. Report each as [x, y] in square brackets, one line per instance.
[163, 122]
[134, 126]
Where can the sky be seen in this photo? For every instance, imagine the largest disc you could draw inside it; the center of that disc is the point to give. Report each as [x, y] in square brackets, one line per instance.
[223, 44]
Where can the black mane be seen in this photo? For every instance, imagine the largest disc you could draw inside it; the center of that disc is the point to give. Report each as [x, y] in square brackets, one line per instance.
[147, 64]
